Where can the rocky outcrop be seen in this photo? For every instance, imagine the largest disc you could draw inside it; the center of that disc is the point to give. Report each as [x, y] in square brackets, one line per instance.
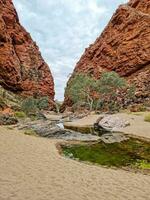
[7, 119]
[50, 129]
[123, 47]
[22, 68]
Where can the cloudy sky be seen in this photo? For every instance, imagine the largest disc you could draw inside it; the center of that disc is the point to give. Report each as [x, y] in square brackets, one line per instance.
[63, 29]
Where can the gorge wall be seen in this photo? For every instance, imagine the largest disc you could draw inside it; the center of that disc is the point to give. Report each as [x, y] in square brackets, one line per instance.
[22, 68]
[123, 47]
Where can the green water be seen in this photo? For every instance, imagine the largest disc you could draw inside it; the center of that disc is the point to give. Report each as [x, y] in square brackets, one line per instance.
[132, 153]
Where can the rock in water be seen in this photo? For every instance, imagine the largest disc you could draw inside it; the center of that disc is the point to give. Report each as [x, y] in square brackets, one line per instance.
[111, 138]
[123, 47]
[22, 68]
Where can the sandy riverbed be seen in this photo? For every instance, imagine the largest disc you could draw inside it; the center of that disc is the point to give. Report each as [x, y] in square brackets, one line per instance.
[31, 168]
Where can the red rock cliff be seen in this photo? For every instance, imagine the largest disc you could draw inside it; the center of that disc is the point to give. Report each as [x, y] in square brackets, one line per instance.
[124, 47]
[22, 68]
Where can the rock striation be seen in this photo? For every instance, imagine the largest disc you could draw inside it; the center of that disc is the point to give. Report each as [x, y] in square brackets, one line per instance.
[123, 47]
[22, 68]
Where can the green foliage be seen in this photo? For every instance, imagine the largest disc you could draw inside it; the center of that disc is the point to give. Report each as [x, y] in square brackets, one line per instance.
[42, 103]
[132, 153]
[143, 164]
[147, 118]
[110, 82]
[20, 114]
[109, 92]
[29, 105]
[32, 105]
[111, 87]
[81, 89]
[30, 132]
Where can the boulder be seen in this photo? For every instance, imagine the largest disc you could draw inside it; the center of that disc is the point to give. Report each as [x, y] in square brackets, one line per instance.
[113, 123]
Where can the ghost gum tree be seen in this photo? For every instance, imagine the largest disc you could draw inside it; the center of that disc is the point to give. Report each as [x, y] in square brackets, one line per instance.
[82, 89]
[109, 92]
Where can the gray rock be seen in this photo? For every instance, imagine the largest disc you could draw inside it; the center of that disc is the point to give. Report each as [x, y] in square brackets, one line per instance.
[49, 129]
[52, 130]
[113, 123]
[113, 138]
[76, 136]
[7, 119]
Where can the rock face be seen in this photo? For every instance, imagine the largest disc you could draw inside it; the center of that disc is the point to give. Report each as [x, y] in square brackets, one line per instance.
[22, 68]
[123, 47]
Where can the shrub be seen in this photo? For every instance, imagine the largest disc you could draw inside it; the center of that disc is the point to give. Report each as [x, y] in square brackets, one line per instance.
[110, 92]
[29, 105]
[147, 118]
[42, 103]
[113, 91]
[30, 132]
[20, 115]
[110, 82]
[32, 105]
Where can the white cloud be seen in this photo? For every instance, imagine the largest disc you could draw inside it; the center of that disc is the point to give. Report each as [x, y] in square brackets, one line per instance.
[93, 6]
[63, 29]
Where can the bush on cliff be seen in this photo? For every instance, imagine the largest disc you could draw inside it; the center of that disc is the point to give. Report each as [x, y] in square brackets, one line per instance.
[114, 91]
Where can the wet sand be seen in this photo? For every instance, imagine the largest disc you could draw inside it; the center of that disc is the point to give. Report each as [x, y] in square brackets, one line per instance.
[32, 169]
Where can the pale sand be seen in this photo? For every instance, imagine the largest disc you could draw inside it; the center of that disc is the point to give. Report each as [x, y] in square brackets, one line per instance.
[32, 169]
[138, 126]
